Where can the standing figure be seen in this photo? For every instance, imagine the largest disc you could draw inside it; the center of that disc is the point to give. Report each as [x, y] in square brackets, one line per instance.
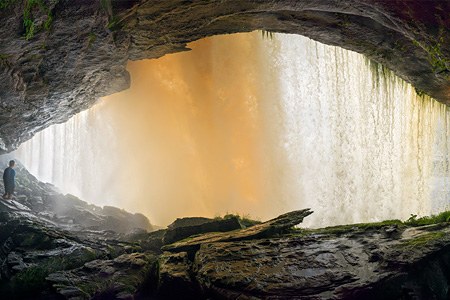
[8, 180]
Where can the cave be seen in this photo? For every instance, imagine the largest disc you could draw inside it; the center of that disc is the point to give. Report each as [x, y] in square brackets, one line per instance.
[127, 115]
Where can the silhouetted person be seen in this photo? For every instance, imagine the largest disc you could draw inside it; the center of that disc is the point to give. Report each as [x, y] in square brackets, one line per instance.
[8, 180]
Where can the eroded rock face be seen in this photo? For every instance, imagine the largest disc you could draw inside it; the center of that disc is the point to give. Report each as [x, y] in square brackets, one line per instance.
[76, 51]
[117, 278]
[59, 247]
[353, 262]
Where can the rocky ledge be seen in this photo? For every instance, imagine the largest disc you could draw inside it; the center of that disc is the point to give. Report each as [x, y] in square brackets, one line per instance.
[58, 247]
[388, 260]
[58, 56]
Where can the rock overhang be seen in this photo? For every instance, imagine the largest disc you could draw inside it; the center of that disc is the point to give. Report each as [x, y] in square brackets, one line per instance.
[77, 50]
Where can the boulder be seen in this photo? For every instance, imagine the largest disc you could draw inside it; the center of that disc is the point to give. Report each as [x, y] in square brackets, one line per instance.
[119, 278]
[270, 228]
[184, 229]
[44, 199]
[175, 280]
[188, 221]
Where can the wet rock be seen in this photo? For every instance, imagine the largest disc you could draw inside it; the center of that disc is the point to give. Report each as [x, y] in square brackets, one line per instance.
[367, 261]
[183, 229]
[270, 228]
[45, 200]
[153, 241]
[188, 221]
[119, 278]
[44, 232]
[175, 280]
[62, 68]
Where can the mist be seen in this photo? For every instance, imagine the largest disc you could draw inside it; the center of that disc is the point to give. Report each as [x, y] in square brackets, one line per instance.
[258, 127]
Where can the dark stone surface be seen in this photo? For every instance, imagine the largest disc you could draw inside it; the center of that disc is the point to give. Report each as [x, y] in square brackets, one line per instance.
[59, 247]
[179, 232]
[272, 227]
[82, 54]
[118, 278]
[352, 262]
[188, 221]
[42, 257]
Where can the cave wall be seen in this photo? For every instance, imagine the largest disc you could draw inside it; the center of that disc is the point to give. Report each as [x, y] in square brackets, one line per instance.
[57, 57]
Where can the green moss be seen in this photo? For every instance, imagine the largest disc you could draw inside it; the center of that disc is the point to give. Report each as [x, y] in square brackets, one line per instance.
[113, 21]
[91, 39]
[428, 220]
[132, 280]
[31, 281]
[4, 56]
[245, 220]
[7, 3]
[423, 240]
[438, 61]
[28, 20]
[113, 24]
[37, 240]
[48, 23]
[342, 229]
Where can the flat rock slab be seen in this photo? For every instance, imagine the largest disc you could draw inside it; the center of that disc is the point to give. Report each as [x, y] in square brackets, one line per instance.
[362, 263]
[175, 234]
[264, 230]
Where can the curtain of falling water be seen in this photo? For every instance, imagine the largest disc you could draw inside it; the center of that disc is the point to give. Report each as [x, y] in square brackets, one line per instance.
[72, 156]
[257, 127]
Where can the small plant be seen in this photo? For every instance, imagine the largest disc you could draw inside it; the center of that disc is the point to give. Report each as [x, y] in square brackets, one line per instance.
[438, 61]
[422, 240]
[245, 220]
[91, 39]
[113, 21]
[419, 92]
[267, 34]
[6, 3]
[428, 220]
[31, 281]
[28, 21]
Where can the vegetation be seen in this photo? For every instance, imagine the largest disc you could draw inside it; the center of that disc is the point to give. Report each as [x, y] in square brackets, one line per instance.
[428, 220]
[266, 34]
[245, 220]
[6, 3]
[419, 92]
[105, 288]
[413, 221]
[28, 20]
[423, 240]
[439, 62]
[113, 21]
[4, 59]
[341, 229]
[31, 281]
[91, 39]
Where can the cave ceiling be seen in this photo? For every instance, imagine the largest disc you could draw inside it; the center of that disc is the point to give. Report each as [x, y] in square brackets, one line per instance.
[57, 57]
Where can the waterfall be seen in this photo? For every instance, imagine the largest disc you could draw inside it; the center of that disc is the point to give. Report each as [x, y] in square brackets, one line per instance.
[71, 156]
[361, 144]
[258, 127]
